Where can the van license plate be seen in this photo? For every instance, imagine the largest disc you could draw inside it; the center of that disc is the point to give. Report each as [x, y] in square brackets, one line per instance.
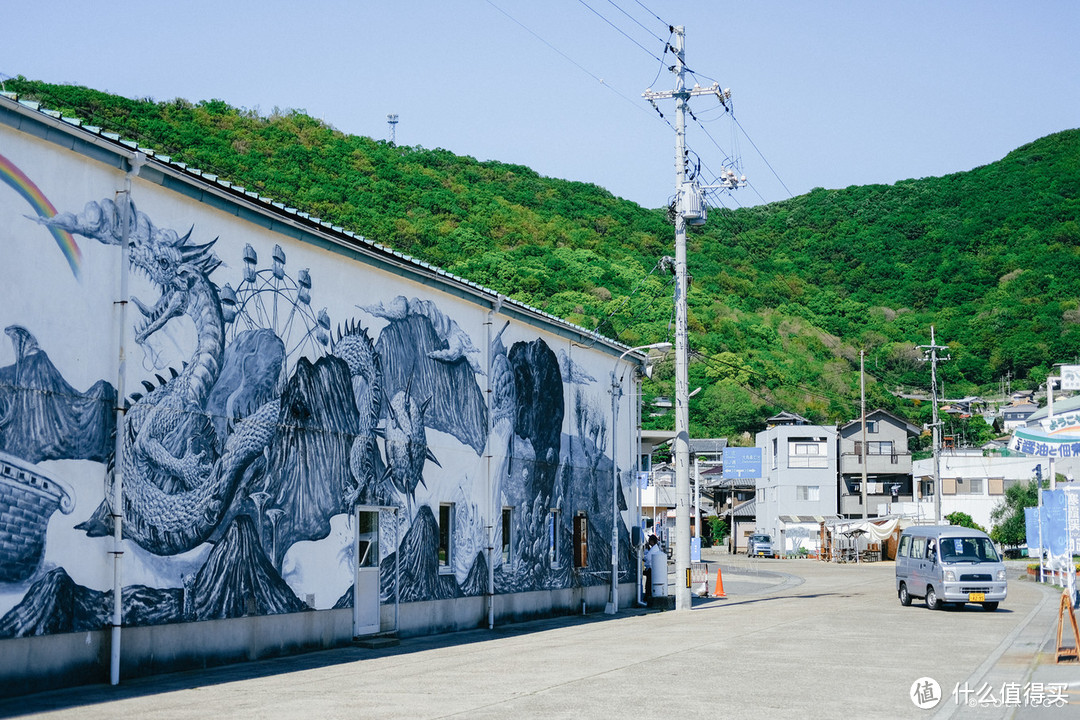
[976, 597]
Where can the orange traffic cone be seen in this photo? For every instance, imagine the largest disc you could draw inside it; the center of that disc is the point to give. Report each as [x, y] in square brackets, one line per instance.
[718, 591]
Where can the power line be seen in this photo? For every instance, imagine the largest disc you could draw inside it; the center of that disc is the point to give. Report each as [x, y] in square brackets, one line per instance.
[761, 155]
[655, 15]
[626, 300]
[614, 5]
[566, 57]
[702, 75]
[659, 70]
[619, 30]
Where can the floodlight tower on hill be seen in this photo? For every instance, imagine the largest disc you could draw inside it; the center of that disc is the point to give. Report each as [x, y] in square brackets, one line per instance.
[392, 121]
[689, 207]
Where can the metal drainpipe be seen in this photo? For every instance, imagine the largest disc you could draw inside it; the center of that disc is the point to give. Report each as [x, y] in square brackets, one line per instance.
[490, 478]
[117, 515]
[397, 570]
[637, 486]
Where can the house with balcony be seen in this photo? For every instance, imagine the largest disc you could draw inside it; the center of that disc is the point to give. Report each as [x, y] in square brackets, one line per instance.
[885, 459]
[798, 489]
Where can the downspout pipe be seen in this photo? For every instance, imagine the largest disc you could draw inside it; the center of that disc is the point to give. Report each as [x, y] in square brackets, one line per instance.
[490, 485]
[397, 569]
[494, 516]
[117, 511]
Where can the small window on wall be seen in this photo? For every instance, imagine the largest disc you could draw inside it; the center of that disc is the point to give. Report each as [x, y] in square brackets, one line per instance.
[553, 537]
[581, 540]
[507, 535]
[446, 535]
[367, 539]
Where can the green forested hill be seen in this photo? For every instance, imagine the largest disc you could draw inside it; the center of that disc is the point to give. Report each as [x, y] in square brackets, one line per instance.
[784, 296]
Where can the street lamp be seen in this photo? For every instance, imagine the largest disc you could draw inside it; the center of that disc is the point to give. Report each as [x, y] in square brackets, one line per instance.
[616, 391]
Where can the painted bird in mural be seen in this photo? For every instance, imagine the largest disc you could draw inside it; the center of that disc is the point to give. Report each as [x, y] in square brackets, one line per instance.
[406, 442]
[354, 346]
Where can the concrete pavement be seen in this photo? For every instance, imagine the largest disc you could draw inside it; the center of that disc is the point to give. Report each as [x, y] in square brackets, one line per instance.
[791, 636]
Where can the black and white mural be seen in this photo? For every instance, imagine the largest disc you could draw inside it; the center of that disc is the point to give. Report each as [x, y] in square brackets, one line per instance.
[265, 399]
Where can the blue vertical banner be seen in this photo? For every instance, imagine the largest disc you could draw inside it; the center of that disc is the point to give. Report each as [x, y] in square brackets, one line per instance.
[1031, 525]
[695, 549]
[1072, 517]
[1055, 533]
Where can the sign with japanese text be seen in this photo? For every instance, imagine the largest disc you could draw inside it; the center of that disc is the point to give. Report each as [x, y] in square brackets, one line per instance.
[742, 463]
[1041, 444]
[1070, 377]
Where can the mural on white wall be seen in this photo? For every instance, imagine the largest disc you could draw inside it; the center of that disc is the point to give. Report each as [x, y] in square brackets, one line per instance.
[244, 454]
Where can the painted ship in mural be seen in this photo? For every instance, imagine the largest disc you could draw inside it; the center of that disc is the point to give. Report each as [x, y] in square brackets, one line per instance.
[28, 499]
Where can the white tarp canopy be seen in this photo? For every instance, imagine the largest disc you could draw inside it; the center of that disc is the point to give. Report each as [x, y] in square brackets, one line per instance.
[879, 530]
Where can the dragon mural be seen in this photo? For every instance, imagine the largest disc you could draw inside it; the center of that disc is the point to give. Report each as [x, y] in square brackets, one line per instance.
[269, 425]
[180, 475]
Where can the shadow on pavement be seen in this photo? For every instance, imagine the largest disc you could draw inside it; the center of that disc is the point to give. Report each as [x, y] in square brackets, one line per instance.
[87, 695]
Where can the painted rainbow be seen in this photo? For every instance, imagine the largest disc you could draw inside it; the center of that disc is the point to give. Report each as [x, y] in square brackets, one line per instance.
[23, 185]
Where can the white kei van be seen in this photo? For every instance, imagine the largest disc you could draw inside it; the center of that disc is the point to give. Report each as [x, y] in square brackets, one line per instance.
[949, 564]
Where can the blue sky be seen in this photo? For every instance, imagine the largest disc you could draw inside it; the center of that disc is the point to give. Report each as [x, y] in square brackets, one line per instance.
[827, 94]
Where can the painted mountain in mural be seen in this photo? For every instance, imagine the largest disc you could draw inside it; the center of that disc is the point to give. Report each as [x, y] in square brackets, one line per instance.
[151, 606]
[420, 578]
[57, 604]
[249, 377]
[42, 417]
[476, 582]
[309, 475]
[238, 579]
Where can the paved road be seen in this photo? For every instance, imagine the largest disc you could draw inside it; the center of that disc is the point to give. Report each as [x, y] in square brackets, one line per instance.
[828, 640]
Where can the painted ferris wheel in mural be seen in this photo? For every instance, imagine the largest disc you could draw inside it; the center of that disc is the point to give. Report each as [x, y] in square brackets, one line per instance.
[271, 298]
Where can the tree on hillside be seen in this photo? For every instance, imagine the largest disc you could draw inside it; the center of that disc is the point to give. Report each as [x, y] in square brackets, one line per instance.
[784, 294]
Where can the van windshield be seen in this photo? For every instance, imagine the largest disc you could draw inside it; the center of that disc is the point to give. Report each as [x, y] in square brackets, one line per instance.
[968, 549]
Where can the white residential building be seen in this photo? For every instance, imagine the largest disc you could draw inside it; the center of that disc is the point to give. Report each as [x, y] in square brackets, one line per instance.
[972, 483]
[799, 487]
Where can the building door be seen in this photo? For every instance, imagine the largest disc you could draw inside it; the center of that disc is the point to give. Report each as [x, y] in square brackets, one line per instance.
[366, 588]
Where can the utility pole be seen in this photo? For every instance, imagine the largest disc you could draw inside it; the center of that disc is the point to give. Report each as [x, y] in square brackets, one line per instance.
[689, 206]
[932, 350]
[864, 453]
[1050, 382]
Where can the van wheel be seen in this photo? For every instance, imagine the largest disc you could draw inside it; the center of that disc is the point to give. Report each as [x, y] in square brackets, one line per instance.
[990, 606]
[905, 597]
[932, 601]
